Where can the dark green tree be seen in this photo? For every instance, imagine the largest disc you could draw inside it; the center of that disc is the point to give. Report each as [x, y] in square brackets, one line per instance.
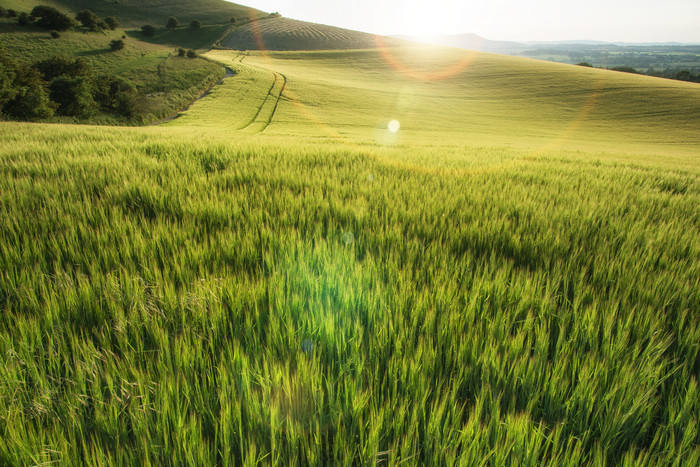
[172, 23]
[73, 96]
[196, 24]
[50, 18]
[191, 54]
[116, 45]
[30, 100]
[62, 65]
[112, 22]
[148, 30]
[89, 20]
[23, 19]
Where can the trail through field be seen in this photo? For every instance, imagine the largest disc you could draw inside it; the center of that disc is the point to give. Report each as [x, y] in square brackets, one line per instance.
[266, 112]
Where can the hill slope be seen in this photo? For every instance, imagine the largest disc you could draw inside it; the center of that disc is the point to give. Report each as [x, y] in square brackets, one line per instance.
[133, 13]
[289, 34]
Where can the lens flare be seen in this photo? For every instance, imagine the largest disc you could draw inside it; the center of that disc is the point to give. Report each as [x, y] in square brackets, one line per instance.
[394, 126]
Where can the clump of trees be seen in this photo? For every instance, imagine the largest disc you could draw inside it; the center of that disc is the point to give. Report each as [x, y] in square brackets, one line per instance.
[61, 85]
[49, 17]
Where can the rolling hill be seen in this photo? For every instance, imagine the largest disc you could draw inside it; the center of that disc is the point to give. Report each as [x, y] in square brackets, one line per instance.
[279, 33]
[135, 13]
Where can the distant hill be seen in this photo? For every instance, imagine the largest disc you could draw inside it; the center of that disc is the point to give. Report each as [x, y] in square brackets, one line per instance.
[133, 13]
[277, 33]
[469, 41]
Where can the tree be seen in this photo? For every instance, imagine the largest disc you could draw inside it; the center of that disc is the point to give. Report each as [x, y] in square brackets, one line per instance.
[181, 52]
[51, 18]
[116, 45]
[55, 34]
[233, 20]
[23, 19]
[73, 96]
[115, 94]
[172, 23]
[11, 13]
[62, 65]
[112, 22]
[585, 64]
[89, 20]
[148, 30]
[196, 24]
[30, 100]
[191, 54]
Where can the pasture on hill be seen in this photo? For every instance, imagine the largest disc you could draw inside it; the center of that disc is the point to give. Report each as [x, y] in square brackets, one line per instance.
[508, 275]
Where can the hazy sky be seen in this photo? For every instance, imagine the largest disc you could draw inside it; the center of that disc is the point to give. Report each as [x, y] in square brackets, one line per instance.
[608, 20]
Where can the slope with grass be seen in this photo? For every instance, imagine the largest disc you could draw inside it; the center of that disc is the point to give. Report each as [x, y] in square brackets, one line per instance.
[278, 33]
[509, 279]
[135, 13]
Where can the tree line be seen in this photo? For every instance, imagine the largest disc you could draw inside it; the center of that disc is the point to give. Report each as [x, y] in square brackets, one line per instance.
[61, 85]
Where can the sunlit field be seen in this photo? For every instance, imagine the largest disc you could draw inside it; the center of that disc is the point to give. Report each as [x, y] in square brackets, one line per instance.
[511, 277]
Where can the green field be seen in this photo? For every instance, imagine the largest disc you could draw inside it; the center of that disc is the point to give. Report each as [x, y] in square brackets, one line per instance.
[274, 277]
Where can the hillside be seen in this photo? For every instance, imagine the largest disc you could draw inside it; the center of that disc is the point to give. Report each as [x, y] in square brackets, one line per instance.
[288, 34]
[135, 13]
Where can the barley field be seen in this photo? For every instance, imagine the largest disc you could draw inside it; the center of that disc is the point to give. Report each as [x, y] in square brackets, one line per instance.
[511, 277]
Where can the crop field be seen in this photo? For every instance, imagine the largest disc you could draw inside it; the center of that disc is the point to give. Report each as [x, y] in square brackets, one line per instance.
[507, 274]
[279, 33]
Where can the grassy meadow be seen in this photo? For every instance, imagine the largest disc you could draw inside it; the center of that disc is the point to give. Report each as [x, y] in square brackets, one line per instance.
[511, 278]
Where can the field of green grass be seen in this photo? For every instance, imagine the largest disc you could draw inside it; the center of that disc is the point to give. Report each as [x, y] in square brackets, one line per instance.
[274, 277]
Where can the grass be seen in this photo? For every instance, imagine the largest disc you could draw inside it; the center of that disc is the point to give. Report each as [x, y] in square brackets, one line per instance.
[136, 13]
[510, 279]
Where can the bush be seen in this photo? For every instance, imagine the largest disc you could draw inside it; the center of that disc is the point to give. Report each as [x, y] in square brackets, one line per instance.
[172, 23]
[51, 18]
[62, 65]
[233, 20]
[585, 64]
[196, 24]
[116, 45]
[73, 96]
[11, 13]
[111, 22]
[181, 52]
[3, 11]
[116, 95]
[89, 20]
[55, 34]
[23, 19]
[148, 30]
[191, 54]
[29, 99]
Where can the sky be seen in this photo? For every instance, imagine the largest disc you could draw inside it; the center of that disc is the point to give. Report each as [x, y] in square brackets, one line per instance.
[517, 20]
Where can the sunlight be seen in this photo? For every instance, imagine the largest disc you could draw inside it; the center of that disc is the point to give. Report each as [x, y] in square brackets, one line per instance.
[394, 126]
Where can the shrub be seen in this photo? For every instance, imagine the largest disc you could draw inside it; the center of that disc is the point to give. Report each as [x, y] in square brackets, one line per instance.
[23, 19]
[115, 45]
[585, 64]
[62, 65]
[196, 24]
[112, 22]
[29, 99]
[3, 11]
[191, 54]
[11, 13]
[73, 96]
[172, 23]
[181, 52]
[148, 30]
[89, 20]
[55, 34]
[51, 18]
[233, 20]
[115, 94]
